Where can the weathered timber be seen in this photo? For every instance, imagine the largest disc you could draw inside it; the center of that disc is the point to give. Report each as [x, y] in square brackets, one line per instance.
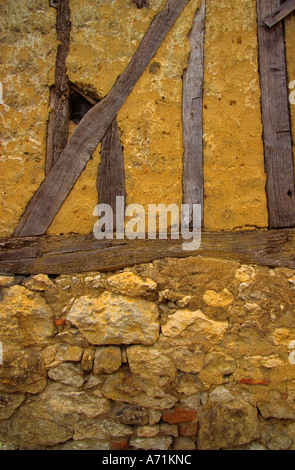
[141, 3]
[111, 174]
[84, 140]
[192, 114]
[276, 120]
[77, 253]
[279, 13]
[58, 122]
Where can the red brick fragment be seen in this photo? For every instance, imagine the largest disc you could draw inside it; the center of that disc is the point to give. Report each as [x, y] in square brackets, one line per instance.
[249, 381]
[179, 415]
[188, 429]
[120, 445]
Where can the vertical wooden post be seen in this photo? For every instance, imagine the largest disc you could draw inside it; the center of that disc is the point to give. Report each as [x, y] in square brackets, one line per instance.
[58, 123]
[192, 114]
[276, 119]
[111, 175]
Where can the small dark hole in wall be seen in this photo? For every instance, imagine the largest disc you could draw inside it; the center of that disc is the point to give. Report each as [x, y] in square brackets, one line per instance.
[79, 107]
[289, 192]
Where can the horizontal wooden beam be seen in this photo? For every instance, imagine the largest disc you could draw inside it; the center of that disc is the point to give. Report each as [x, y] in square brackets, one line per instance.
[279, 13]
[78, 253]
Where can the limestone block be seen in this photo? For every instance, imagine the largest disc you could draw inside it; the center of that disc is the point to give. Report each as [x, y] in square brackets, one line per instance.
[25, 317]
[107, 360]
[123, 386]
[185, 323]
[130, 284]
[148, 361]
[215, 432]
[150, 443]
[218, 299]
[115, 319]
[68, 373]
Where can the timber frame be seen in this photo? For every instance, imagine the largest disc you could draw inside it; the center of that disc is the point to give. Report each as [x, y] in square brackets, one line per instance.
[31, 251]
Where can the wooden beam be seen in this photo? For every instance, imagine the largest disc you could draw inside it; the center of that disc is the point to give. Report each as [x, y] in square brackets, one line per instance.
[111, 174]
[77, 253]
[192, 114]
[279, 13]
[84, 140]
[58, 122]
[276, 120]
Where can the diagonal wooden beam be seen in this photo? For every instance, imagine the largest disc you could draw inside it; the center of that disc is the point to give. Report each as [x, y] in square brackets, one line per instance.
[84, 140]
[279, 13]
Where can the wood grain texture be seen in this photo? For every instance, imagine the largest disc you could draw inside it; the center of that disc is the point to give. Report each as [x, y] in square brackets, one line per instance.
[279, 13]
[84, 140]
[77, 253]
[111, 174]
[276, 120]
[192, 114]
[58, 122]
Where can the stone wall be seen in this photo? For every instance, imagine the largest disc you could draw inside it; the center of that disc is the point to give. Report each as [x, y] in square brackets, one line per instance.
[176, 354]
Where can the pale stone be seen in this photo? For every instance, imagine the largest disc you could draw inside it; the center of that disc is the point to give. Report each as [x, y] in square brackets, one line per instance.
[115, 319]
[25, 317]
[148, 361]
[216, 433]
[130, 284]
[88, 359]
[31, 429]
[68, 373]
[94, 282]
[136, 415]
[183, 443]
[9, 403]
[122, 386]
[151, 443]
[101, 428]
[49, 354]
[283, 336]
[220, 395]
[154, 416]
[181, 303]
[6, 280]
[169, 429]
[67, 352]
[23, 370]
[107, 360]
[245, 274]
[39, 282]
[148, 431]
[84, 444]
[218, 299]
[185, 323]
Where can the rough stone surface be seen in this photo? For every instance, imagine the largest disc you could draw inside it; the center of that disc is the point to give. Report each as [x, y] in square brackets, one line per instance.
[115, 319]
[107, 360]
[215, 432]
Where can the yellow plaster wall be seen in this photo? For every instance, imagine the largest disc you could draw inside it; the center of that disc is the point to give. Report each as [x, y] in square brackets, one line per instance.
[104, 36]
[233, 149]
[27, 53]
